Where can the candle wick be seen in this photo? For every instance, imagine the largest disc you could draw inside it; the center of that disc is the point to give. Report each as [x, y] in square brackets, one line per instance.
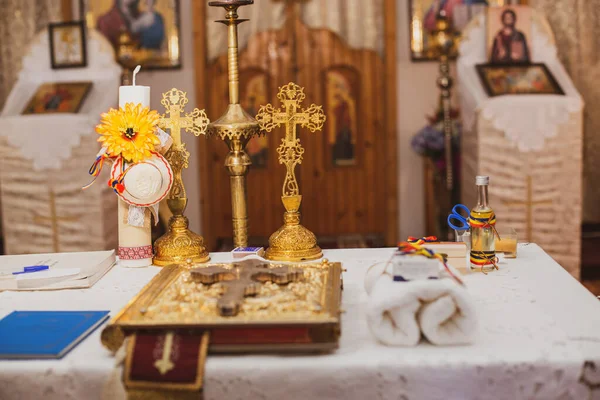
[135, 71]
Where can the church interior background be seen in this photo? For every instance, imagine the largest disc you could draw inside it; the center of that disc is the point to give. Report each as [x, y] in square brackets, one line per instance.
[365, 185]
[214, 199]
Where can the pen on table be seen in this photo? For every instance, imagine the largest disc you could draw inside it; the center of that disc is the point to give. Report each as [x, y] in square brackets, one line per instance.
[30, 269]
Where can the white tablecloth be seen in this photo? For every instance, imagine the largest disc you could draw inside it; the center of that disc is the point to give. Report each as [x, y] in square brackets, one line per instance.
[539, 327]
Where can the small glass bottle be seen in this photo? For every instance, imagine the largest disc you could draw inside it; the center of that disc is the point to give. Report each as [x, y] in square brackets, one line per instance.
[482, 220]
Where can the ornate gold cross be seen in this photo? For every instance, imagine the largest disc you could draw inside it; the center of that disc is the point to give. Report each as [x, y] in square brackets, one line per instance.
[528, 203]
[290, 151]
[195, 122]
[243, 280]
[54, 221]
[291, 242]
[179, 243]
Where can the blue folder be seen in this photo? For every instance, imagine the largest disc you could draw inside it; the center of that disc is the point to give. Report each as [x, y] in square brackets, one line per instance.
[45, 334]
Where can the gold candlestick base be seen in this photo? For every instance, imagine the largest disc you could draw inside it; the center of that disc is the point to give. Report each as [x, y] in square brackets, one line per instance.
[179, 245]
[293, 242]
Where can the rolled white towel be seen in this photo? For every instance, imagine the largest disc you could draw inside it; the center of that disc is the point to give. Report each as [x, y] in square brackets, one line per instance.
[398, 312]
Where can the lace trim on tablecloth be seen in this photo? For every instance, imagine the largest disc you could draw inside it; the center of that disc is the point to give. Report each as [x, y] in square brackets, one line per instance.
[527, 125]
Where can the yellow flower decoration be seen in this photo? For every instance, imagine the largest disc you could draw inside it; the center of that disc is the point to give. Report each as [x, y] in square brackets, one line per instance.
[129, 132]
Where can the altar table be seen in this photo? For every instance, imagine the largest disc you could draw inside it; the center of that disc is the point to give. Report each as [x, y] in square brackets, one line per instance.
[539, 339]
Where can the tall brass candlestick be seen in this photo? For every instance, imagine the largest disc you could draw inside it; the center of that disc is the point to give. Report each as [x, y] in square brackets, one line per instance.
[179, 244]
[236, 127]
[291, 242]
[125, 50]
[444, 36]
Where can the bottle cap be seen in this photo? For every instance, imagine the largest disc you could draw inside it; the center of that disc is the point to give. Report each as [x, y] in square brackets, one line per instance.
[482, 180]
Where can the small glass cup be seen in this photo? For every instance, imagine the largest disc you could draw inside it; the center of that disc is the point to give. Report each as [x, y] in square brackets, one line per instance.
[464, 236]
[507, 243]
[458, 235]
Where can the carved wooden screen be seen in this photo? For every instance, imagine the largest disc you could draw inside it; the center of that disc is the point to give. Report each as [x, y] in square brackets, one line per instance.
[348, 176]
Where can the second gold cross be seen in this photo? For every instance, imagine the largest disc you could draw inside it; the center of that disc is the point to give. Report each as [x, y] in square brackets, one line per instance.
[292, 242]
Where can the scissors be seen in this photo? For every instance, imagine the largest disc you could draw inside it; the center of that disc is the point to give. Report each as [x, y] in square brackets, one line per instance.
[455, 215]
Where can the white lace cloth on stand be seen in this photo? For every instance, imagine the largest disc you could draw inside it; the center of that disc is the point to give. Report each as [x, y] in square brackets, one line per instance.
[47, 140]
[526, 120]
[539, 328]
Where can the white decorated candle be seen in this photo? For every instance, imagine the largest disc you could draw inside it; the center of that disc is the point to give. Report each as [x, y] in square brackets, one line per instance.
[135, 243]
[134, 93]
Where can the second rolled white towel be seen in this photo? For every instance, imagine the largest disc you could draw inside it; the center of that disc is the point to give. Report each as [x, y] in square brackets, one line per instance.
[399, 312]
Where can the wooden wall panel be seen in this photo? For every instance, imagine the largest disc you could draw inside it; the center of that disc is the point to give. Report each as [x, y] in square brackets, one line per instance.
[390, 145]
[342, 199]
[337, 200]
[66, 10]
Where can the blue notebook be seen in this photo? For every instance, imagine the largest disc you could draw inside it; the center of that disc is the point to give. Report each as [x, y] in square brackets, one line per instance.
[45, 334]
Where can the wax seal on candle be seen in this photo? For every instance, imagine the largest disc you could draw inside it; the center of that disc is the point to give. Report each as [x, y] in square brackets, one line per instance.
[143, 184]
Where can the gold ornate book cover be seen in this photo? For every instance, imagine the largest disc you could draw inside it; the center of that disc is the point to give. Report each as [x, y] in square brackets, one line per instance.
[248, 306]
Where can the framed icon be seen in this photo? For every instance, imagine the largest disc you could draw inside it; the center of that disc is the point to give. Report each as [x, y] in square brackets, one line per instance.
[145, 33]
[423, 15]
[509, 34]
[499, 79]
[67, 45]
[342, 85]
[63, 97]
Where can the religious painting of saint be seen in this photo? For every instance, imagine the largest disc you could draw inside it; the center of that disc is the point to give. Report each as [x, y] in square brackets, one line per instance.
[448, 7]
[144, 32]
[255, 92]
[518, 79]
[509, 33]
[342, 85]
[67, 45]
[423, 14]
[64, 97]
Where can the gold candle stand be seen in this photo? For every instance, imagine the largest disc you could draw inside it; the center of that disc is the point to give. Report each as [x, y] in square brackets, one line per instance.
[125, 50]
[444, 37]
[179, 244]
[291, 242]
[236, 127]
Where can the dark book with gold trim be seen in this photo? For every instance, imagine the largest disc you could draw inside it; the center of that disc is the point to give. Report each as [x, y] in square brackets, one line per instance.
[245, 306]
